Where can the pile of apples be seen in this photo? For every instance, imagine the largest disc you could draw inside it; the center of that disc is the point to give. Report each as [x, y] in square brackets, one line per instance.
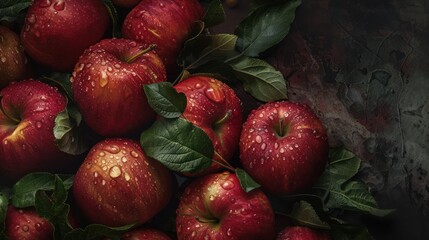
[281, 145]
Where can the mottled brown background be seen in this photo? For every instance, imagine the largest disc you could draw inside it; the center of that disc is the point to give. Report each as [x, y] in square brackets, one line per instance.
[363, 66]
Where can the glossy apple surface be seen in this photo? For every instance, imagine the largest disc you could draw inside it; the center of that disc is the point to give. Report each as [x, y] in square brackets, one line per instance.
[302, 233]
[13, 61]
[166, 23]
[28, 111]
[117, 184]
[216, 207]
[56, 32]
[107, 85]
[26, 224]
[284, 147]
[215, 108]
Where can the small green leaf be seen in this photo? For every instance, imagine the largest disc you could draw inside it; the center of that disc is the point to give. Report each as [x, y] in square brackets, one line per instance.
[54, 208]
[10, 10]
[265, 27]
[165, 100]
[113, 16]
[304, 214]
[69, 134]
[260, 79]
[246, 181]
[205, 48]
[3, 210]
[215, 14]
[97, 231]
[24, 191]
[178, 144]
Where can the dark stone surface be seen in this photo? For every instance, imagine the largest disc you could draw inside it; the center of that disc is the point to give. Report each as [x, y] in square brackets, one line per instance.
[363, 66]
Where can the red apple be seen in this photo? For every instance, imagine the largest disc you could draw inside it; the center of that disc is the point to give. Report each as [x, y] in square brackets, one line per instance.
[302, 233]
[13, 62]
[166, 23]
[215, 108]
[28, 111]
[26, 224]
[118, 184]
[284, 147]
[145, 234]
[216, 207]
[107, 85]
[56, 33]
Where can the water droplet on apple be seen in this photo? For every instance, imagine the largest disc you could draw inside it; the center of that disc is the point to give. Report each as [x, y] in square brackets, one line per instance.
[290, 148]
[296, 146]
[282, 150]
[124, 159]
[111, 149]
[101, 154]
[127, 177]
[115, 172]
[95, 174]
[215, 95]
[103, 80]
[229, 232]
[117, 66]
[258, 139]
[59, 5]
[193, 234]
[103, 182]
[38, 226]
[3, 59]
[263, 146]
[161, 5]
[25, 228]
[110, 69]
[31, 19]
[262, 161]
[198, 85]
[227, 185]
[45, 3]
[134, 154]
[276, 145]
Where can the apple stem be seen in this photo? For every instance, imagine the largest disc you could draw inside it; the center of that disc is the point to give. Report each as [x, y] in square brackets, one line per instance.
[205, 220]
[5, 113]
[138, 54]
[223, 119]
[281, 131]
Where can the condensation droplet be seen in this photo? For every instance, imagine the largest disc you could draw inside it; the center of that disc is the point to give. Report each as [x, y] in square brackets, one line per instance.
[134, 154]
[111, 149]
[115, 172]
[258, 139]
[215, 95]
[59, 5]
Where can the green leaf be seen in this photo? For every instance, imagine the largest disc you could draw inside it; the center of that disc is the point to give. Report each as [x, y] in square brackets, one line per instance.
[246, 181]
[113, 16]
[204, 48]
[260, 79]
[355, 196]
[304, 214]
[178, 144]
[339, 191]
[24, 191]
[69, 134]
[215, 14]
[165, 100]
[3, 210]
[265, 27]
[97, 231]
[54, 208]
[11, 9]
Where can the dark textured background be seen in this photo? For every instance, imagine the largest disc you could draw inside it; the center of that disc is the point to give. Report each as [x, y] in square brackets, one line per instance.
[363, 66]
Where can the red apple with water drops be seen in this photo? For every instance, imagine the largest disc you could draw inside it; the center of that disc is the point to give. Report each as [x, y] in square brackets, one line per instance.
[284, 147]
[56, 32]
[107, 84]
[166, 23]
[215, 108]
[13, 61]
[302, 233]
[216, 207]
[23, 224]
[117, 184]
[27, 144]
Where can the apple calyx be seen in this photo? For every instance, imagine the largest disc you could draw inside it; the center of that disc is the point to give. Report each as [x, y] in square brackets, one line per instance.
[139, 53]
[12, 118]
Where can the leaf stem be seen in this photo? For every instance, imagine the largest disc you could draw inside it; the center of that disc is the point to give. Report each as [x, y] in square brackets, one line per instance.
[138, 54]
[224, 163]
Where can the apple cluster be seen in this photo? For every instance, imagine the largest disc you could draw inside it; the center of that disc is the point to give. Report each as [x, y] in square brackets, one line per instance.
[281, 145]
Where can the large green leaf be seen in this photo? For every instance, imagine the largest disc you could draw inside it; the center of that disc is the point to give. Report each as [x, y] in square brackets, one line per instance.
[205, 48]
[265, 27]
[165, 100]
[246, 181]
[178, 144]
[24, 191]
[304, 214]
[260, 79]
[11, 9]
